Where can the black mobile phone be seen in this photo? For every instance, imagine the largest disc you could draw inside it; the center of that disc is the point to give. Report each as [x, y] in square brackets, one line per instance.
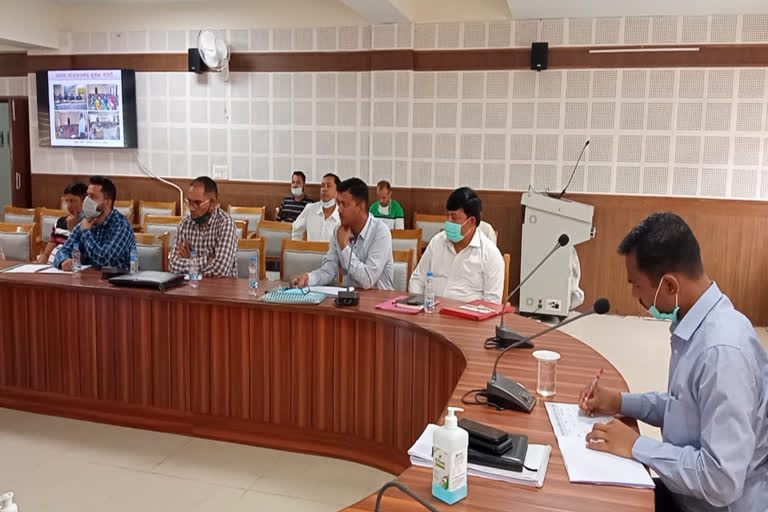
[413, 300]
[484, 433]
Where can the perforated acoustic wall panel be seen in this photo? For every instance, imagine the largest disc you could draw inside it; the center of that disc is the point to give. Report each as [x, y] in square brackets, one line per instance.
[684, 132]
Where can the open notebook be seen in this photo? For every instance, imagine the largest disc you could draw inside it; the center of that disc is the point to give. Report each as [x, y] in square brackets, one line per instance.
[590, 466]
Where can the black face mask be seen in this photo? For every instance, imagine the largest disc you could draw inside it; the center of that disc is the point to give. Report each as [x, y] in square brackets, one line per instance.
[202, 219]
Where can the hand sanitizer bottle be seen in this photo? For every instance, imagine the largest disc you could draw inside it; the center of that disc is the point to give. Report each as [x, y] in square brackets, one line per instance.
[449, 453]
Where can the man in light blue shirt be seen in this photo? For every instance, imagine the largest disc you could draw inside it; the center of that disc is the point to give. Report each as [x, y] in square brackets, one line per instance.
[714, 415]
[361, 245]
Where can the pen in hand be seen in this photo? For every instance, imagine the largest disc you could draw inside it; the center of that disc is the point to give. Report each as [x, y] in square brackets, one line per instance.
[590, 393]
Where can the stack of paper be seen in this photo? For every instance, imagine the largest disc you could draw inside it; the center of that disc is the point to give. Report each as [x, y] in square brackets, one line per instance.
[28, 268]
[536, 457]
[590, 466]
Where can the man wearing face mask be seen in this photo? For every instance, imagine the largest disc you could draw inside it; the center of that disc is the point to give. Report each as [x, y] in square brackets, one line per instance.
[361, 245]
[74, 195]
[386, 208]
[208, 230]
[104, 236]
[319, 219]
[294, 204]
[465, 264]
[714, 415]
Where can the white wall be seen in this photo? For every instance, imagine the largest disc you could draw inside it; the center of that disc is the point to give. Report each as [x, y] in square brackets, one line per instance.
[425, 11]
[30, 23]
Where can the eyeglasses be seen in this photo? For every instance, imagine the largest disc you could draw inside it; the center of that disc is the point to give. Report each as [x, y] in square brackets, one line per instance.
[194, 205]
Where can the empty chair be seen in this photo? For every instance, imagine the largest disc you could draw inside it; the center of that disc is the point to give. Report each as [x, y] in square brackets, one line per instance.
[403, 267]
[17, 241]
[157, 208]
[152, 250]
[406, 239]
[300, 256]
[242, 228]
[253, 214]
[126, 208]
[273, 234]
[162, 224]
[247, 248]
[14, 215]
[430, 225]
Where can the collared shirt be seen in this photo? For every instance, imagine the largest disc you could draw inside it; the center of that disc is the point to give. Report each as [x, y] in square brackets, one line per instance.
[477, 272]
[392, 215]
[290, 208]
[107, 245]
[215, 242]
[714, 417]
[314, 222]
[367, 261]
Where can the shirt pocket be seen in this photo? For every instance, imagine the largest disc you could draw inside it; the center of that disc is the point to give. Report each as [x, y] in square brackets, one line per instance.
[682, 422]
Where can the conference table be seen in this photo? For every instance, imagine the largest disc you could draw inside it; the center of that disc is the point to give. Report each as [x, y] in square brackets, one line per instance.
[356, 383]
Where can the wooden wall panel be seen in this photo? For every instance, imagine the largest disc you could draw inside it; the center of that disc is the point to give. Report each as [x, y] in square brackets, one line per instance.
[88, 353]
[142, 352]
[180, 361]
[384, 384]
[420, 391]
[20, 342]
[6, 336]
[124, 339]
[280, 342]
[107, 340]
[261, 364]
[200, 358]
[404, 383]
[239, 364]
[437, 372]
[365, 396]
[69, 338]
[54, 355]
[220, 362]
[36, 339]
[302, 362]
[161, 354]
[322, 379]
[344, 376]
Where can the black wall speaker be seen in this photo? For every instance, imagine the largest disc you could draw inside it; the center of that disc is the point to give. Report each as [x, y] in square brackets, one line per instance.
[194, 61]
[539, 56]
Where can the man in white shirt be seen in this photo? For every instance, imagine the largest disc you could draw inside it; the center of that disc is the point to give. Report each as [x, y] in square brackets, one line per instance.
[319, 219]
[465, 264]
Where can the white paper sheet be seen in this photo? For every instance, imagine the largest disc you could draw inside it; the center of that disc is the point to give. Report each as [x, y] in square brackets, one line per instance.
[26, 269]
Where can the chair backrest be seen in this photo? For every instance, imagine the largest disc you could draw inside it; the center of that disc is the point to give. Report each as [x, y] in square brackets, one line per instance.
[430, 225]
[47, 218]
[14, 215]
[242, 228]
[273, 233]
[152, 249]
[403, 267]
[162, 224]
[300, 256]
[126, 208]
[251, 247]
[17, 241]
[506, 277]
[488, 231]
[406, 239]
[253, 214]
[157, 208]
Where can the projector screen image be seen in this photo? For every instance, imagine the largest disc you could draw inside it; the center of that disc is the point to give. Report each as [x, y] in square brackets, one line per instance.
[87, 108]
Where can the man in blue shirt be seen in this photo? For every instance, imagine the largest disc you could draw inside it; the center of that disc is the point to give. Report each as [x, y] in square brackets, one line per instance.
[104, 236]
[361, 245]
[714, 415]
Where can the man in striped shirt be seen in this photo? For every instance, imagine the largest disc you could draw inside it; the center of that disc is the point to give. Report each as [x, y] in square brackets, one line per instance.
[208, 230]
[293, 205]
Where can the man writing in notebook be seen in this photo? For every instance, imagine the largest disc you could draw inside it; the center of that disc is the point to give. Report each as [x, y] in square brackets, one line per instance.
[714, 415]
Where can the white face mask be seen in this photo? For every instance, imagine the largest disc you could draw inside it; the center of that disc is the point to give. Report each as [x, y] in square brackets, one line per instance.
[90, 208]
[296, 191]
[384, 210]
[329, 203]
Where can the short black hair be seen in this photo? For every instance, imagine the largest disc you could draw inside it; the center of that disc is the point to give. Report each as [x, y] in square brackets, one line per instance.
[663, 243]
[107, 187]
[335, 179]
[77, 188]
[384, 184]
[466, 199]
[208, 184]
[301, 175]
[356, 187]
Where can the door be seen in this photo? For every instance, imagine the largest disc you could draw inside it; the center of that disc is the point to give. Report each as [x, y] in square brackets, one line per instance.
[6, 181]
[20, 162]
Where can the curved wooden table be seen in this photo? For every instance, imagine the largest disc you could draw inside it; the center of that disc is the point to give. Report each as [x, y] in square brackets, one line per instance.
[356, 383]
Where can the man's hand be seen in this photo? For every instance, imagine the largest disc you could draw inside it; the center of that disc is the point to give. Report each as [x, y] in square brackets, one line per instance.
[42, 258]
[86, 224]
[66, 265]
[71, 222]
[183, 251]
[342, 236]
[300, 281]
[614, 437]
[601, 401]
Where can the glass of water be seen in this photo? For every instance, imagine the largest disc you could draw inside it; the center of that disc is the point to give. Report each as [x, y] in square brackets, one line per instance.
[546, 384]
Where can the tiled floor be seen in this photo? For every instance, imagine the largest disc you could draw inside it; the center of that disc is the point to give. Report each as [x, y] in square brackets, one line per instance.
[62, 465]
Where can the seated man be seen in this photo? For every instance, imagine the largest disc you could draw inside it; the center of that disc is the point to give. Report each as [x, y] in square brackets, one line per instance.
[320, 219]
[386, 208]
[104, 236]
[73, 197]
[362, 245]
[207, 229]
[465, 265]
[714, 415]
[293, 205]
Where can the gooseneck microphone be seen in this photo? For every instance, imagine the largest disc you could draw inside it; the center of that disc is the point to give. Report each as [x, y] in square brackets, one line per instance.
[573, 173]
[504, 393]
[348, 297]
[505, 336]
[406, 490]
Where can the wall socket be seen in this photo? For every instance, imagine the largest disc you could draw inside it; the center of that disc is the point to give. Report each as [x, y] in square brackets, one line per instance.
[220, 172]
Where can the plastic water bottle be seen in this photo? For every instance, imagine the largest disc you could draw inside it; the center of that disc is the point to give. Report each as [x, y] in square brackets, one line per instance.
[253, 276]
[429, 295]
[194, 270]
[76, 260]
[134, 261]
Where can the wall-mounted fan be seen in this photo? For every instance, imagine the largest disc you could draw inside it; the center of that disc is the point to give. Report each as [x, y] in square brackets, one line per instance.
[212, 54]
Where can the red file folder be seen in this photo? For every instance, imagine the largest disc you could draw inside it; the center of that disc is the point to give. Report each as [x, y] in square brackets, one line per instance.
[478, 309]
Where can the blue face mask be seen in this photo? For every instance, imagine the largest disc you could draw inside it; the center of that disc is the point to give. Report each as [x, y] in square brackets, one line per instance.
[453, 231]
[655, 313]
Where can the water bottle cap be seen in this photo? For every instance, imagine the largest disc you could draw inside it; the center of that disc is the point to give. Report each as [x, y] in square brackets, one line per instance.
[193, 253]
[429, 274]
[253, 258]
